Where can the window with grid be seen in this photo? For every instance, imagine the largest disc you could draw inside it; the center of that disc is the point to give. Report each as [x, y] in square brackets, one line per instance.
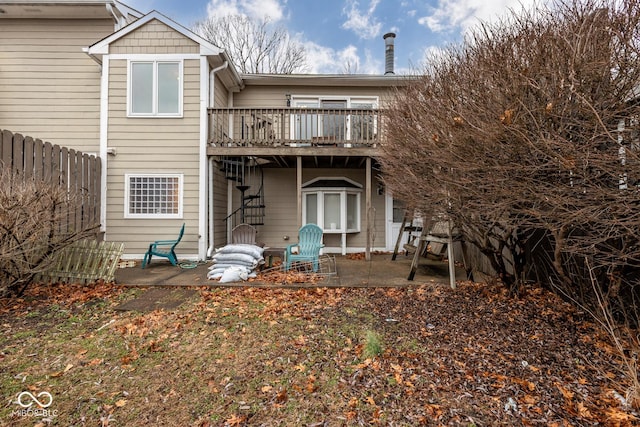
[153, 196]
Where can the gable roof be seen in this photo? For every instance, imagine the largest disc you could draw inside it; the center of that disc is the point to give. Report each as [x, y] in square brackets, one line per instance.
[217, 57]
[102, 47]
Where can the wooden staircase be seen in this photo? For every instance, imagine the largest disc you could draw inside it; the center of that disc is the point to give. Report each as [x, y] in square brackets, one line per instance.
[248, 177]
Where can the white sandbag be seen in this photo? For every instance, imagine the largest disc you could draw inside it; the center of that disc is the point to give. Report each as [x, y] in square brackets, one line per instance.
[215, 276]
[231, 263]
[237, 258]
[242, 248]
[217, 270]
[234, 274]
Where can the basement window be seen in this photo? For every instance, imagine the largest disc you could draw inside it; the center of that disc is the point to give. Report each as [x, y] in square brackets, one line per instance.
[153, 196]
[333, 204]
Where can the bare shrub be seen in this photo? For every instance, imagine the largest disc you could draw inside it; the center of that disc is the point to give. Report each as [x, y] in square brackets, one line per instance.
[33, 228]
[527, 137]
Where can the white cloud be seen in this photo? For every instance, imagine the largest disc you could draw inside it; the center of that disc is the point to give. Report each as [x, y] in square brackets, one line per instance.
[326, 60]
[464, 14]
[363, 23]
[258, 9]
[320, 59]
[372, 64]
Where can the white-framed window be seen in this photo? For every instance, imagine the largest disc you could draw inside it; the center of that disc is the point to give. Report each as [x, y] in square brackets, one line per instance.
[153, 195]
[154, 88]
[333, 204]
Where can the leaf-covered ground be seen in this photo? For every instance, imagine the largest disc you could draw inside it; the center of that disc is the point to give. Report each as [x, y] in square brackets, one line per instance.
[424, 355]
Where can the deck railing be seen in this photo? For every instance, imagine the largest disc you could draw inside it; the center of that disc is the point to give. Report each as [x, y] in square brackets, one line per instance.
[296, 127]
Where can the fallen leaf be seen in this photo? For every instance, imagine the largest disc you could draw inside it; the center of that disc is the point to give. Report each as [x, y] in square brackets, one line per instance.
[583, 411]
[120, 403]
[568, 394]
[281, 397]
[507, 117]
[235, 420]
[353, 402]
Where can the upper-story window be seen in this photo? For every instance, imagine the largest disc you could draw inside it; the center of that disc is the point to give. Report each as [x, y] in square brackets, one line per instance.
[155, 88]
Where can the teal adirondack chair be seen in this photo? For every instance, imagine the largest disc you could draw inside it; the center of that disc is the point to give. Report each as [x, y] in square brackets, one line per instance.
[309, 245]
[163, 248]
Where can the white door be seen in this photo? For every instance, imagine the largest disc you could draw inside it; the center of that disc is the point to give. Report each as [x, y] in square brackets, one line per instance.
[394, 214]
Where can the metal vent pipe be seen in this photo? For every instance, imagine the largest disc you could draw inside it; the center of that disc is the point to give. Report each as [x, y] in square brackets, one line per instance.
[389, 54]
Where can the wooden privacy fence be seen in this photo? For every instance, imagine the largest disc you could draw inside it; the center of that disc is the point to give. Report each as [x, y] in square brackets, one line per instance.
[78, 172]
[85, 261]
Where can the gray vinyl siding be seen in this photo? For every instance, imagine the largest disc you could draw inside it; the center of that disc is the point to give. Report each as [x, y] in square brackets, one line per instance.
[219, 206]
[221, 94]
[153, 145]
[49, 88]
[281, 207]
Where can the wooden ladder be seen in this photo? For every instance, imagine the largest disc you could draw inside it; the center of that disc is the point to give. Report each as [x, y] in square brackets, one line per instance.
[412, 229]
[429, 235]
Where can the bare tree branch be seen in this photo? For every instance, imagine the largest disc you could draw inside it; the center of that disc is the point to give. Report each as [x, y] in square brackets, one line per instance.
[254, 46]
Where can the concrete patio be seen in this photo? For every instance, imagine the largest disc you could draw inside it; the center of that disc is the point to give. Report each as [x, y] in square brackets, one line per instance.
[381, 271]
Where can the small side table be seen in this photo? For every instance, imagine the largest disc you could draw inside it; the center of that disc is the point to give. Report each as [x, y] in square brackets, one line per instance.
[269, 253]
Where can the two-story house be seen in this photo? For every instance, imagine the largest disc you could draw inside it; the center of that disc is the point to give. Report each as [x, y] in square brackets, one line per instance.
[185, 138]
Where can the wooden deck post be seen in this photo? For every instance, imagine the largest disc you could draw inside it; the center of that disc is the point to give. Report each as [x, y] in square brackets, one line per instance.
[367, 253]
[299, 189]
[450, 256]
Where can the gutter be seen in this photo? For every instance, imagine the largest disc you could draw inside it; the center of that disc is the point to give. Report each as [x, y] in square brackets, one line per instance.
[92, 56]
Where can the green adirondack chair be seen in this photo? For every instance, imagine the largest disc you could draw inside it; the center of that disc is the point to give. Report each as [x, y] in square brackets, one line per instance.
[309, 245]
[163, 248]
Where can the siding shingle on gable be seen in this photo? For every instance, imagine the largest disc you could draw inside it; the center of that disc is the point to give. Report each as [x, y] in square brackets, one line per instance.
[154, 38]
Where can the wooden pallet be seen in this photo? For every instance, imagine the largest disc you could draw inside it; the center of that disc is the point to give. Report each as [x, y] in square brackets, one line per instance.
[85, 261]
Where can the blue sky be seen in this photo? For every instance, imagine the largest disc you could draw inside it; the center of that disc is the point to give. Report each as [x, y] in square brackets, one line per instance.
[336, 32]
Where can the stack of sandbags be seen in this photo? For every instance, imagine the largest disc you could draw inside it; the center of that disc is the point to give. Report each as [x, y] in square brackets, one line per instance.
[235, 262]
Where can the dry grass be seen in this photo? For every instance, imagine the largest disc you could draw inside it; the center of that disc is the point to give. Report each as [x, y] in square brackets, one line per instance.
[283, 357]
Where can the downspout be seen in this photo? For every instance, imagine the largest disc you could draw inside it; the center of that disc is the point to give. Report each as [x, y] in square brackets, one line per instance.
[212, 78]
[119, 20]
